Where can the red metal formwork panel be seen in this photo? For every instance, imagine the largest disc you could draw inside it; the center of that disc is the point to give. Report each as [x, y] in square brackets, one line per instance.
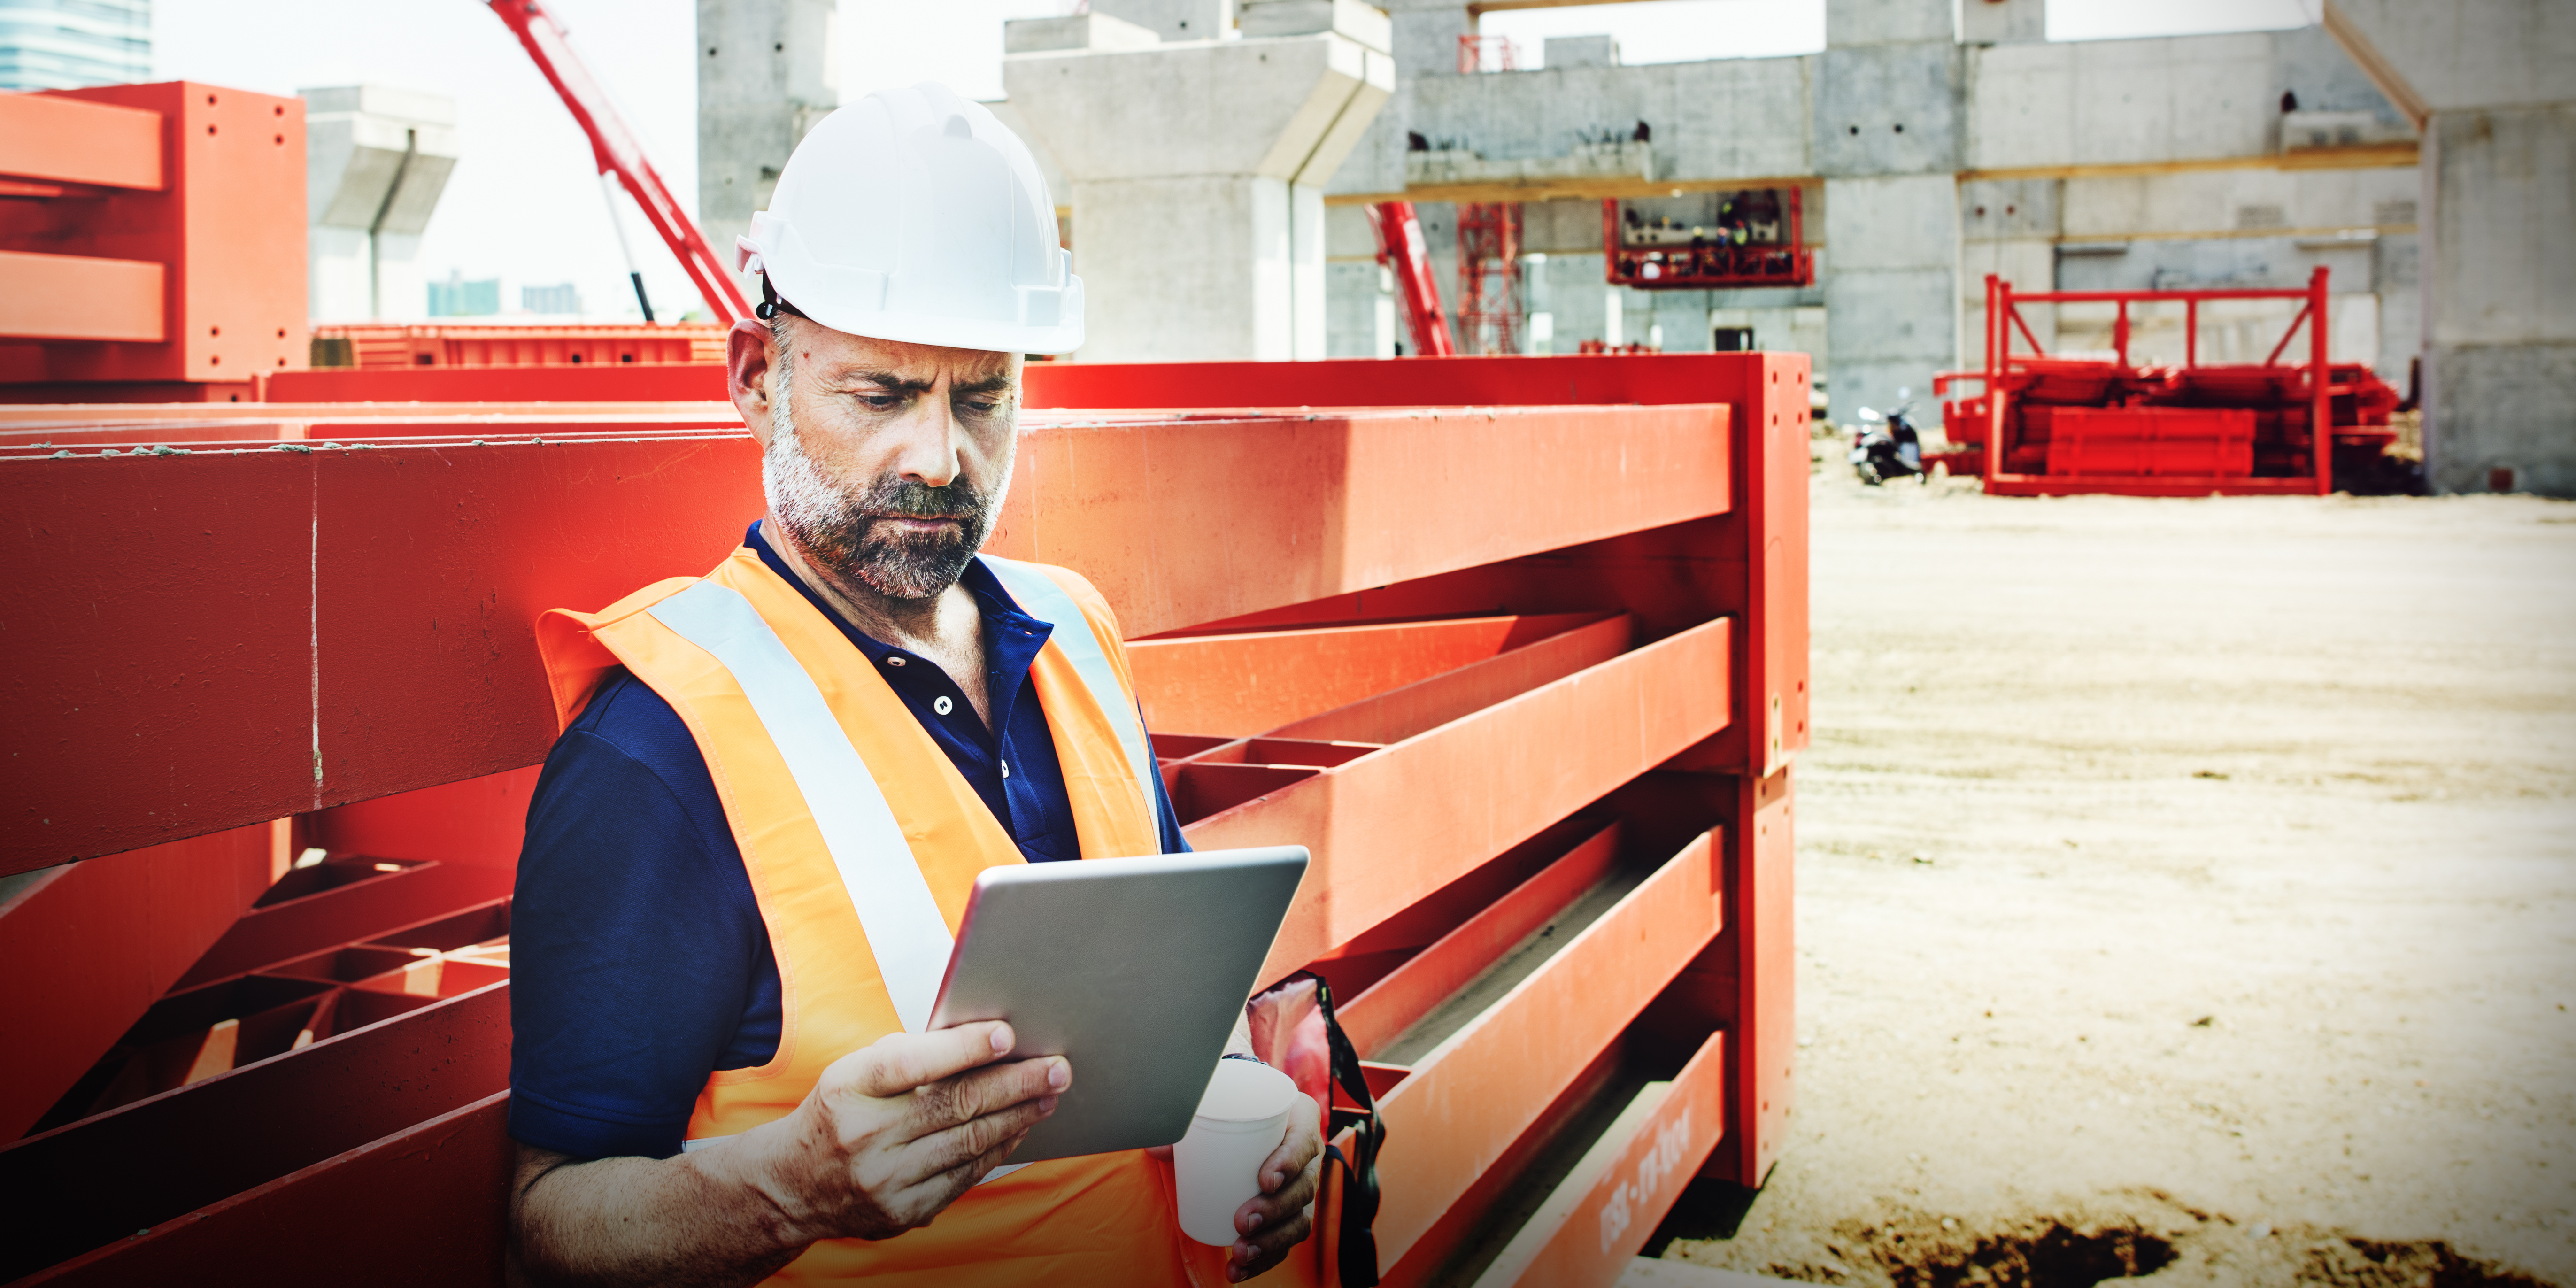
[1269, 679]
[85, 1186]
[436, 1202]
[429, 561]
[354, 623]
[1645, 664]
[1392, 827]
[171, 696]
[1182, 522]
[364, 910]
[1597, 1222]
[87, 949]
[1467, 1101]
[225, 221]
[694, 382]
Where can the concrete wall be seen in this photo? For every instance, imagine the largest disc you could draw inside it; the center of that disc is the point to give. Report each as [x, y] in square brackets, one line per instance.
[766, 74]
[1736, 118]
[1195, 170]
[2502, 300]
[2491, 79]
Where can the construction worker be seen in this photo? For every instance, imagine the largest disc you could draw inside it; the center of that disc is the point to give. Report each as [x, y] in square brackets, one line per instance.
[775, 784]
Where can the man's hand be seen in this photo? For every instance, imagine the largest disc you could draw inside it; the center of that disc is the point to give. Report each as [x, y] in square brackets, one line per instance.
[889, 1137]
[894, 1133]
[1277, 1220]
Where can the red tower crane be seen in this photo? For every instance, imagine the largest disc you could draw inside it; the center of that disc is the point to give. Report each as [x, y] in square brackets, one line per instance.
[1489, 275]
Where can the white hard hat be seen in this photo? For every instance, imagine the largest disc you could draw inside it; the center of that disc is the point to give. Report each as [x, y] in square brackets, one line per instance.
[915, 215]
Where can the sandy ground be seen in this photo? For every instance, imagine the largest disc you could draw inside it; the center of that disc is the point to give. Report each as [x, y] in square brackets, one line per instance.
[2185, 887]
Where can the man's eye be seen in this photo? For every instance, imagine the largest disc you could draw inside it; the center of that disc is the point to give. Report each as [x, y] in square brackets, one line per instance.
[882, 402]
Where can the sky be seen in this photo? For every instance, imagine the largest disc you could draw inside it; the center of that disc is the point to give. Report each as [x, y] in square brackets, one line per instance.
[525, 205]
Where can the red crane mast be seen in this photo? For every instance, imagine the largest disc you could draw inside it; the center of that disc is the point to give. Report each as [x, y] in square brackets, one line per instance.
[618, 153]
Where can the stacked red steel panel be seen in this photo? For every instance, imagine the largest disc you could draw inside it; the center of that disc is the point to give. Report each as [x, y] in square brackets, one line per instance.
[1533, 673]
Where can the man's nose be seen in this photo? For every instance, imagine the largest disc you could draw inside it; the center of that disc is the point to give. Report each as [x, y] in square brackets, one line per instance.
[929, 451]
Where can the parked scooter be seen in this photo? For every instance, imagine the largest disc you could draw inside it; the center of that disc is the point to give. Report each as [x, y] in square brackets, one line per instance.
[1886, 447]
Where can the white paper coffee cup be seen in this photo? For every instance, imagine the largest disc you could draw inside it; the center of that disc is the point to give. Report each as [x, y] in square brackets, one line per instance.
[1217, 1167]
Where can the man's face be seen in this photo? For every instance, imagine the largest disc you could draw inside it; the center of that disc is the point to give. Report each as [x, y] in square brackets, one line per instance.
[884, 462]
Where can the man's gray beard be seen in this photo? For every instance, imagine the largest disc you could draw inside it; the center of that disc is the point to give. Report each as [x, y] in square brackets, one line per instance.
[835, 529]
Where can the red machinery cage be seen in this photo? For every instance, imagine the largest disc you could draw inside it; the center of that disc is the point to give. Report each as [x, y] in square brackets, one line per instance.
[2044, 425]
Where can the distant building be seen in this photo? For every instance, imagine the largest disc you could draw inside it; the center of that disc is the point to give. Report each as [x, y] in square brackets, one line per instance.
[562, 298]
[458, 298]
[57, 44]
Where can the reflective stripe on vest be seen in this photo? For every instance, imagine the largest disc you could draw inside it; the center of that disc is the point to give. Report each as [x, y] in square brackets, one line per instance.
[1041, 598]
[827, 782]
[905, 930]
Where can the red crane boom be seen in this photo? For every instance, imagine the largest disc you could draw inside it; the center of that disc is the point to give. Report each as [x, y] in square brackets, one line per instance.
[619, 154]
[1400, 248]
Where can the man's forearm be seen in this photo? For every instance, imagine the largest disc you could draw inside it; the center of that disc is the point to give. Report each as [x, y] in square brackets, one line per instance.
[699, 1220]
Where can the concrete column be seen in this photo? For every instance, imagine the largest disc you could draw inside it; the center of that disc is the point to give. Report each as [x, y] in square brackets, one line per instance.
[1887, 140]
[2003, 22]
[2487, 80]
[1173, 19]
[1197, 171]
[766, 74]
[375, 162]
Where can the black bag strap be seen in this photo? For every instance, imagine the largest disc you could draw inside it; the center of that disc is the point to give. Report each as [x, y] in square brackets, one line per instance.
[1358, 1255]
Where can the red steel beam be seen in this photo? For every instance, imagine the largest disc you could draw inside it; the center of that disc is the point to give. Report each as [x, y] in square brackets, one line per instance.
[94, 1182]
[1398, 714]
[1391, 827]
[1596, 1223]
[1260, 680]
[425, 1206]
[46, 136]
[1409, 992]
[79, 297]
[362, 910]
[88, 948]
[276, 703]
[1478, 1091]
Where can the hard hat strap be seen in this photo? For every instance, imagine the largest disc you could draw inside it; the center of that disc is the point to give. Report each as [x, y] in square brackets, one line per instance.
[771, 306]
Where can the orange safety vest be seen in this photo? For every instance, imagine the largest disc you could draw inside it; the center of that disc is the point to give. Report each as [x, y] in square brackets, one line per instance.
[863, 841]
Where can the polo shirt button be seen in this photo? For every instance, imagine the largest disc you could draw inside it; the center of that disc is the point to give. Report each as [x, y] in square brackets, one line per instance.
[1006, 769]
[942, 705]
[894, 661]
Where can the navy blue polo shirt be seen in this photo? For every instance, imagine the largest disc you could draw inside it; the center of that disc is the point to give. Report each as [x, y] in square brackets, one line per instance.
[639, 962]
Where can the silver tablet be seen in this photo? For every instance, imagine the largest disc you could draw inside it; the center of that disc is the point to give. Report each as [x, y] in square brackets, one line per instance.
[1134, 970]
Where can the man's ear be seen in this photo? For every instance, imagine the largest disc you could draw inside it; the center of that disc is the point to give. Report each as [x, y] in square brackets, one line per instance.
[747, 362]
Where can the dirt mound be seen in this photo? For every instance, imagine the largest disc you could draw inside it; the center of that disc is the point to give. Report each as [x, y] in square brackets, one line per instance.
[2143, 1234]
[2424, 1263]
[2045, 1253]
